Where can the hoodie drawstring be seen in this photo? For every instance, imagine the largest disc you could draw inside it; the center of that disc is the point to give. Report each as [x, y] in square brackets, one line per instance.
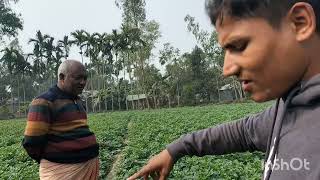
[274, 149]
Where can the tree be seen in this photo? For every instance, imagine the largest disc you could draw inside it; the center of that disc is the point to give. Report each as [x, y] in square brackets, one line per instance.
[147, 32]
[150, 34]
[214, 55]
[132, 41]
[169, 56]
[58, 54]
[10, 22]
[134, 13]
[79, 40]
[118, 44]
[38, 54]
[65, 44]
[17, 67]
[153, 81]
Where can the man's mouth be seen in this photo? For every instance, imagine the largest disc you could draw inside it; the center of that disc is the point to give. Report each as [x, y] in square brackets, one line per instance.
[246, 85]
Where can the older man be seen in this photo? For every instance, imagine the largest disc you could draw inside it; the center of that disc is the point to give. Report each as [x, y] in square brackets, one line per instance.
[57, 134]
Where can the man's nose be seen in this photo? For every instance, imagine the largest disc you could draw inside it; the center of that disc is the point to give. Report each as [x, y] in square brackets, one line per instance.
[83, 82]
[230, 68]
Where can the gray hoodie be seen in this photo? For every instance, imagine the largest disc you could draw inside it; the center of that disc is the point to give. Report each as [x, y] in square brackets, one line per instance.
[289, 133]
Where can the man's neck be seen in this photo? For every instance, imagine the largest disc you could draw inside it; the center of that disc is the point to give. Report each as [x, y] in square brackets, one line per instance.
[60, 87]
[314, 60]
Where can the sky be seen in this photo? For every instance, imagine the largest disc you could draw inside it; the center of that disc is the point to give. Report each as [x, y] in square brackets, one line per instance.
[61, 17]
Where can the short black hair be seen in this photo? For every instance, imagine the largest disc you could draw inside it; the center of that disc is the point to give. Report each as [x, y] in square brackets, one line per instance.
[271, 10]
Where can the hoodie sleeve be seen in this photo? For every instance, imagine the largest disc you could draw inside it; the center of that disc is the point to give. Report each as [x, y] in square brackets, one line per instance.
[35, 135]
[247, 134]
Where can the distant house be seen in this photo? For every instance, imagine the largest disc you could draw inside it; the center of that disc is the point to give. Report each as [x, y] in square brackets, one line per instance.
[226, 93]
[89, 94]
[137, 100]
[13, 104]
[136, 97]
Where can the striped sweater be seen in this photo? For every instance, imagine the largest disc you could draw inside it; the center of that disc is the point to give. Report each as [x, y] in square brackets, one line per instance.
[57, 129]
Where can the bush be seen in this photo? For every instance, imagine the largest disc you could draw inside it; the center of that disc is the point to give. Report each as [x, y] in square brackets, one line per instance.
[5, 113]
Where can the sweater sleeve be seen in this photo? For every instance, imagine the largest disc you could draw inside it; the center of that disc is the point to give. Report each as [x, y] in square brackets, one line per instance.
[35, 135]
[247, 134]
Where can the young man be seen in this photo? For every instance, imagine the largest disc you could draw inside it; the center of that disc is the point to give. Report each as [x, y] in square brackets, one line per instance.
[57, 135]
[272, 46]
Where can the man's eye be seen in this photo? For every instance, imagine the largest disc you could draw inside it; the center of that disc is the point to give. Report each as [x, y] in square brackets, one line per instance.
[240, 47]
[237, 47]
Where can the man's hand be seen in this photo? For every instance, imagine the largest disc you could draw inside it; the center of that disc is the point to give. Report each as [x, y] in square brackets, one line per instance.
[158, 167]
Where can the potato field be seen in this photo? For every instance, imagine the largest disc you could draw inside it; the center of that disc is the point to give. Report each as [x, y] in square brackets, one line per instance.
[128, 139]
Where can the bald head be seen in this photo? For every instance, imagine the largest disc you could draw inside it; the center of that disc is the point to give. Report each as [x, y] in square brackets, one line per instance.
[72, 77]
[67, 66]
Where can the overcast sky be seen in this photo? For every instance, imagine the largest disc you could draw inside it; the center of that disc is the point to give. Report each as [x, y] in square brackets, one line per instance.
[60, 17]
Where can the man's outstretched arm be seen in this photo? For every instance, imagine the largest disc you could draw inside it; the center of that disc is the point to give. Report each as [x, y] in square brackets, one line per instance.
[247, 134]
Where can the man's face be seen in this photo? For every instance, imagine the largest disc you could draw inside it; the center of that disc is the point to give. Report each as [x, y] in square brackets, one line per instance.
[75, 81]
[266, 60]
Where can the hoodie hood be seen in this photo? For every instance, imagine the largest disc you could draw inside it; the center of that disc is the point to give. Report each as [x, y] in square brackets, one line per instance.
[308, 93]
[303, 94]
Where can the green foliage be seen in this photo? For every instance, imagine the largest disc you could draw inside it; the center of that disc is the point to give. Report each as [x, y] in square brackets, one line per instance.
[133, 11]
[14, 162]
[5, 112]
[138, 135]
[4, 109]
[110, 130]
[151, 131]
[10, 22]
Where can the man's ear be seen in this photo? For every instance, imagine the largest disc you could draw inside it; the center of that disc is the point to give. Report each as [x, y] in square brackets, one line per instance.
[303, 20]
[61, 76]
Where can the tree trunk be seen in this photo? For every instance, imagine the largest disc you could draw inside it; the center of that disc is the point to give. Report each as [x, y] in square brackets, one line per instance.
[24, 99]
[81, 55]
[155, 102]
[98, 77]
[178, 94]
[19, 97]
[218, 89]
[169, 101]
[112, 102]
[92, 104]
[147, 98]
[139, 103]
[131, 88]
[106, 104]
[119, 101]
[125, 86]
[158, 102]
[234, 89]
[240, 91]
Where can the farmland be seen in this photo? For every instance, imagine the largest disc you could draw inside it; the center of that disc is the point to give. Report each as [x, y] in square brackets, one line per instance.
[128, 139]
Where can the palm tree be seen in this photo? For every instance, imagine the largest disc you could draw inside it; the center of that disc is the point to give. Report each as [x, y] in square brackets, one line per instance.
[38, 54]
[79, 40]
[117, 45]
[56, 61]
[26, 69]
[8, 59]
[49, 50]
[15, 63]
[65, 44]
[106, 61]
